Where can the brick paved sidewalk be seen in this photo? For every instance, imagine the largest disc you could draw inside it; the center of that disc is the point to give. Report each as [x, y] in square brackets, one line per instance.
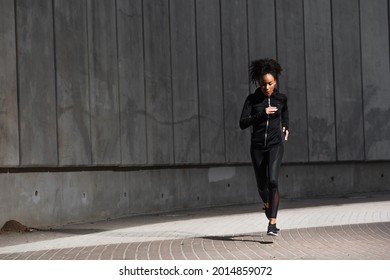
[356, 227]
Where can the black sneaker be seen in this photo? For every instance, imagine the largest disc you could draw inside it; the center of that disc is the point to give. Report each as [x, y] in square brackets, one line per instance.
[272, 230]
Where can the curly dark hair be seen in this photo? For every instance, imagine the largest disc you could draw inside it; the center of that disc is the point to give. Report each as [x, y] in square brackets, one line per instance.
[261, 67]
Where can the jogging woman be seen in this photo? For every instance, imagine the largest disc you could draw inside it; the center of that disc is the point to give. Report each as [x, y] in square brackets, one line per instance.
[265, 112]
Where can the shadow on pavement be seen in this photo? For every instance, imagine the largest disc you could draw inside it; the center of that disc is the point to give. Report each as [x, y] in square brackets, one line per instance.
[237, 238]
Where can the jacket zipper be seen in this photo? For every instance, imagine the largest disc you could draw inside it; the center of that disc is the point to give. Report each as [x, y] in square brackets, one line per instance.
[266, 128]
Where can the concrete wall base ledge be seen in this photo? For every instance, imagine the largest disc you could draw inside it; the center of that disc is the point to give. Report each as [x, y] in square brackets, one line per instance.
[38, 199]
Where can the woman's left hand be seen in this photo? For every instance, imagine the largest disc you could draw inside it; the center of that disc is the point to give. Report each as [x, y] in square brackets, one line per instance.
[285, 131]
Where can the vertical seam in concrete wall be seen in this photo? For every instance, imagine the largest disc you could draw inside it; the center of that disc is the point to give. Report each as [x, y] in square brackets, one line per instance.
[17, 79]
[362, 78]
[388, 21]
[89, 77]
[223, 79]
[248, 44]
[143, 61]
[55, 78]
[197, 81]
[276, 31]
[333, 75]
[171, 78]
[118, 88]
[304, 57]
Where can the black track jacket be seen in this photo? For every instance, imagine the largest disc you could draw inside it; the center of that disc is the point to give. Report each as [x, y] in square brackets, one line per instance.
[266, 129]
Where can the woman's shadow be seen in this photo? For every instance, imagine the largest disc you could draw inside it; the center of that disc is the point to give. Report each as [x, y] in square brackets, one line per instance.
[238, 238]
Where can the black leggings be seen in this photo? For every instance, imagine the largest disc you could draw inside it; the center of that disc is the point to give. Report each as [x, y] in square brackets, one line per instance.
[266, 163]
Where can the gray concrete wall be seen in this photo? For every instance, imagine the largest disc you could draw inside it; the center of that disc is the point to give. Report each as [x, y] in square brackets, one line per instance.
[9, 120]
[93, 85]
[132, 82]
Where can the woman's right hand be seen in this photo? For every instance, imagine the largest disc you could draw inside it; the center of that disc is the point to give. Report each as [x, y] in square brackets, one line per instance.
[270, 110]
